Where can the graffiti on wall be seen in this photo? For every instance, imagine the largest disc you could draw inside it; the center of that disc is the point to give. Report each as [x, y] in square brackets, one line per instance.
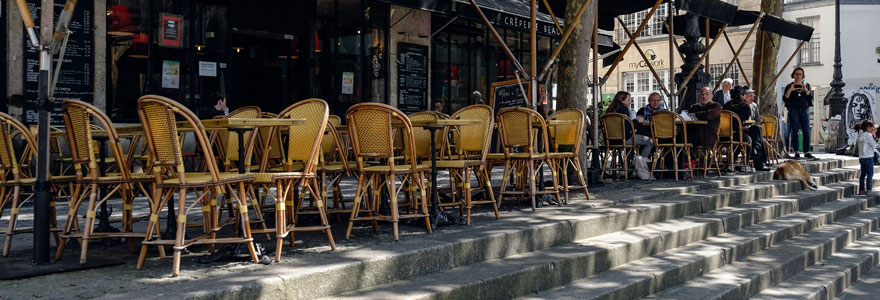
[860, 105]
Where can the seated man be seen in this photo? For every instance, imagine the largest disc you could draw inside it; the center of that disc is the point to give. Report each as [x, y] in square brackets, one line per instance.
[644, 113]
[747, 110]
[710, 111]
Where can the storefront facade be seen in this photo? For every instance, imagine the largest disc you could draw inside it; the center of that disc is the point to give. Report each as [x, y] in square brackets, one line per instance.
[275, 53]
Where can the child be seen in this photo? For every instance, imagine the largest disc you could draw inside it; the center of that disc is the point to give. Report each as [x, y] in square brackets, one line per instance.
[866, 144]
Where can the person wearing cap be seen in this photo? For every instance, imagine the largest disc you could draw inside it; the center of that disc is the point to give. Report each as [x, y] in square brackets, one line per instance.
[745, 107]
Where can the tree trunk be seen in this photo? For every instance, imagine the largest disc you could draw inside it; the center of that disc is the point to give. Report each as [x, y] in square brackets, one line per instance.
[574, 63]
[764, 68]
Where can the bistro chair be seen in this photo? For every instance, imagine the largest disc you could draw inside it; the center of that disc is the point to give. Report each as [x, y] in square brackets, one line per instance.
[471, 145]
[770, 132]
[333, 164]
[669, 141]
[516, 124]
[229, 140]
[730, 139]
[566, 147]
[304, 147]
[15, 180]
[80, 119]
[709, 155]
[371, 129]
[158, 116]
[617, 150]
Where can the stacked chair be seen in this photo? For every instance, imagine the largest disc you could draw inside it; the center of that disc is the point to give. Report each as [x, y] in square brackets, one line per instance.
[16, 179]
[79, 120]
[730, 140]
[617, 150]
[158, 116]
[471, 148]
[670, 142]
[568, 137]
[515, 131]
[371, 128]
[770, 131]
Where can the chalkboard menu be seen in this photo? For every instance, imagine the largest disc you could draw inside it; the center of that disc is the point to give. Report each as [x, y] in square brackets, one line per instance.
[412, 77]
[508, 94]
[76, 79]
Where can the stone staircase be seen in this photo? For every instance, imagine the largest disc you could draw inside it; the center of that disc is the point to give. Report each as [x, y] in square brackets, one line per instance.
[731, 237]
[732, 242]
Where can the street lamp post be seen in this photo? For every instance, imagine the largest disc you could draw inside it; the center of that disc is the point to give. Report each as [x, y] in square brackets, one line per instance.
[837, 102]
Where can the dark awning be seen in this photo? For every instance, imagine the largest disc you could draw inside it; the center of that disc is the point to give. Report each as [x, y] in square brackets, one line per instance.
[513, 14]
[746, 17]
[609, 10]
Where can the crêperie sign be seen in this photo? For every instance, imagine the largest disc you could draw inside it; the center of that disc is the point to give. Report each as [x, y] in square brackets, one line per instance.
[508, 94]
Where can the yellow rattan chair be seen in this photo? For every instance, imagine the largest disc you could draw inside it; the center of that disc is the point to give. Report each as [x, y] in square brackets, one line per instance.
[229, 140]
[730, 140]
[516, 128]
[158, 115]
[669, 134]
[617, 151]
[304, 147]
[15, 179]
[471, 147]
[570, 137]
[370, 127]
[770, 131]
[80, 121]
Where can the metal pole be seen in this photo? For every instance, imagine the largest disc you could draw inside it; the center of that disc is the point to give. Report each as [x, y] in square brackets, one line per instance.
[642, 53]
[790, 58]
[741, 46]
[837, 83]
[706, 55]
[629, 44]
[568, 30]
[595, 165]
[741, 69]
[533, 50]
[552, 15]
[498, 37]
[672, 42]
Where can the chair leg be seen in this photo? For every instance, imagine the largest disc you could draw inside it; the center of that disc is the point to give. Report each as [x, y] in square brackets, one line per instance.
[280, 214]
[181, 232]
[504, 177]
[423, 193]
[488, 183]
[466, 190]
[10, 228]
[90, 221]
[322, 211]
[73, 204]
[356, 204]
[245, 221]
[391, 183]
[531, 183]
[563, 168]
[580, 175]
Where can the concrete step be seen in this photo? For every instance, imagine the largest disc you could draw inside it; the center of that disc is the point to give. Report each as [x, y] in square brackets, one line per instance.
[831, 276]
[748, 277]
[643, 277]
[526, 273]
[315, 275]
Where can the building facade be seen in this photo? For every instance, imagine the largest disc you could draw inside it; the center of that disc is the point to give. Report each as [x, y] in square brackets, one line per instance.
[273, 53]
[860, 57]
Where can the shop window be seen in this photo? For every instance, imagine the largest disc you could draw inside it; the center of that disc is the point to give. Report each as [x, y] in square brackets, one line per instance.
[716, 69]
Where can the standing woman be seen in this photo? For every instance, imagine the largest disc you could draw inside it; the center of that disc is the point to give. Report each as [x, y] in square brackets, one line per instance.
[798, 98]
[620, 104]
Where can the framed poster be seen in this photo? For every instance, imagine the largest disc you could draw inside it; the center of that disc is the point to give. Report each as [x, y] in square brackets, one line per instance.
[170, 32]
[170, 74]
[505, 94]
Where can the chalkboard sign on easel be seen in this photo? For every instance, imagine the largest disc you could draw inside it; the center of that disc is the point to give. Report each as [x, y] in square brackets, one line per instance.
[76, 79]
[412, 78]
[508, 94]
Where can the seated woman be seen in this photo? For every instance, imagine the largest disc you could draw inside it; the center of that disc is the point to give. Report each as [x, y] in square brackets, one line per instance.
[722, 95]
[644, 113]
[620, 104]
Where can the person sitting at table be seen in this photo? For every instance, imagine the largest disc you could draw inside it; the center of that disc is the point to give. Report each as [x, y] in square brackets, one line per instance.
[219, 107]
[644, 113]
[745, 107]
[620, 104]
[722, 95]
[709, 111]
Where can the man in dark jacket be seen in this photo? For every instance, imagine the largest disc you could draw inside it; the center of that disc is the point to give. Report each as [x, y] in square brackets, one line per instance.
[710, 111]
[745, 107]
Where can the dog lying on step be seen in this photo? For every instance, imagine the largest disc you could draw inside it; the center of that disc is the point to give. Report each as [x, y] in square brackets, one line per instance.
[793, 170]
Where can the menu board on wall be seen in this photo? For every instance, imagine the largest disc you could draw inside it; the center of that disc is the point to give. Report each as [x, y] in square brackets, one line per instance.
[3, 54]
[508, 94]
[412, 77]
[75, 80]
